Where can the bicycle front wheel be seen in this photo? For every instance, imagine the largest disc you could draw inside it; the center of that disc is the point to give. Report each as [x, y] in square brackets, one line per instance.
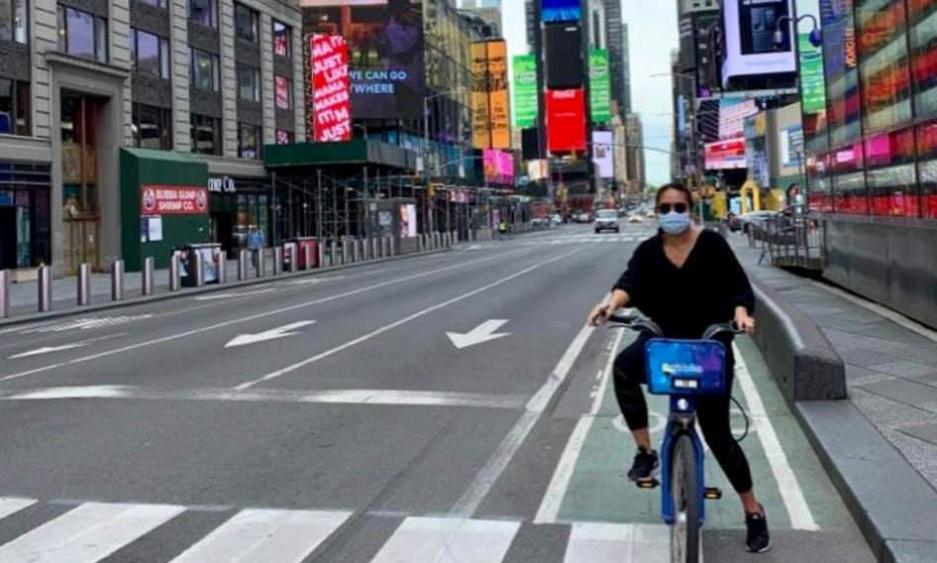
[684, 489]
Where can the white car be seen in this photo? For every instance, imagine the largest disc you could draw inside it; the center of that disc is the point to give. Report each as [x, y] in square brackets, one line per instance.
[635, 218]
[606, 220]
[555, 219]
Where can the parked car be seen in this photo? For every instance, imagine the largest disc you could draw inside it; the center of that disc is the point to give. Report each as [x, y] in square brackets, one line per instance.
[555, 219]
[584, 217]
[540, 222]
[606, 220]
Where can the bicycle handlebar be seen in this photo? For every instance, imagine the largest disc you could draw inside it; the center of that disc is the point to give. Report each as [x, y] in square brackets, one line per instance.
[645, 325]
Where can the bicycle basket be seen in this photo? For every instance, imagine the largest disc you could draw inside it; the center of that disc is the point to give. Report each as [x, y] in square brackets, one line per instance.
[685, 367]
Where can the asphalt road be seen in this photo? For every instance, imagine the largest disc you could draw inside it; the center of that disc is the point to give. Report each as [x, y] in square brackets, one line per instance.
[450, 407]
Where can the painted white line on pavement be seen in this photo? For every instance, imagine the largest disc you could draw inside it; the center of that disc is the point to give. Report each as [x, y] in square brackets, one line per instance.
[600, 542]
[893, 316]
[218, 296]
[559, 483]
[473, 496]
[448, 540]
[185, 334]
[9, 505]
[322, 355]
[263, 535]
[788, 486]
[88, 533]
[404, 397]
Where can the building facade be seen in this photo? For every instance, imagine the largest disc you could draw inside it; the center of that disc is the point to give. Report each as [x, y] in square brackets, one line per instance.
[616, 32]
[214, 78]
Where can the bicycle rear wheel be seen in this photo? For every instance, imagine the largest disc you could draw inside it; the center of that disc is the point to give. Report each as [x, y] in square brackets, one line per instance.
[684, 489]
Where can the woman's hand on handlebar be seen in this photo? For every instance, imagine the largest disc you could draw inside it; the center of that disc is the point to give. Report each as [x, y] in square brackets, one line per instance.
[598, 315]
[743, 321]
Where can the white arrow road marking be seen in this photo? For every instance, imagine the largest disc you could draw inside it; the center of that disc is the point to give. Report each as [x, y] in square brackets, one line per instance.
[63, 347]
[272, 334]
[482, 333]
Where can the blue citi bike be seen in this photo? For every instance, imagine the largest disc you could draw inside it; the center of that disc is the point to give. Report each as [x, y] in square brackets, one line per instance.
[684, 370]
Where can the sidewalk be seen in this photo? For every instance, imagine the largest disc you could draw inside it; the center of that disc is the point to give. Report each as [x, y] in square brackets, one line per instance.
[891, 373]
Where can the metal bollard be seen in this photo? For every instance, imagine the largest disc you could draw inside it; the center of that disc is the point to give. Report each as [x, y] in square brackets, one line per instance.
[117, 280]
[84, 284]
[333, 253]
[261, 265]
[294, 258]
[321, 250]
[146, 274]
[277, 260]
[420, 246]
[242, 264]
[45, 288]
[393, 245]
[174, 272]
[4, 294]
[346, 255]
[365, 249]
[221, 275]
[199, 269]
[356, 251]
[385, 246]
[307, 254]
[375, 248]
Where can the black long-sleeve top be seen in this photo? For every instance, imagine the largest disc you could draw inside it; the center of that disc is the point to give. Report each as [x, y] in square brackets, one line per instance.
[685, 301]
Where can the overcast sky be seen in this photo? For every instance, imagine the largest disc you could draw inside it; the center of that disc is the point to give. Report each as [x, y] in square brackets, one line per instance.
[653, 30]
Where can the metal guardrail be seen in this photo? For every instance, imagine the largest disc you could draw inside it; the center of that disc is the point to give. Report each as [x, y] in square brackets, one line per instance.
[790, 242]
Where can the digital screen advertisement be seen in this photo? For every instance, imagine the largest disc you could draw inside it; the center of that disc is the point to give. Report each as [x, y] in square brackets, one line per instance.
[600, 93]
[525, 91]
[566, 124]
[602, 155]
[385, 53]
[749, 27]
[330, 88]
[560, 10]
[725, 155]
[498, 167]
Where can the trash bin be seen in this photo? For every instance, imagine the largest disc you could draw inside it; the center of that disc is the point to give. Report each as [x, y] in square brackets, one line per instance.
[301, 244]
[212, 254]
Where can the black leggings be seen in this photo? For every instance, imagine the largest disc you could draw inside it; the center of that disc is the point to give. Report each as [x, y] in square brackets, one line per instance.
[712, 412]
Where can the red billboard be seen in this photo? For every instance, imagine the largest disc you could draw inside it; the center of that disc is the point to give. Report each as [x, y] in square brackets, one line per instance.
[331, 96]
[566, 120]
[725, 155]
[173, 200]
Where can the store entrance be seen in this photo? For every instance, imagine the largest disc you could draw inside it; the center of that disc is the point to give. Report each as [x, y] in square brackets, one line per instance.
[222, 231]
[7, 238]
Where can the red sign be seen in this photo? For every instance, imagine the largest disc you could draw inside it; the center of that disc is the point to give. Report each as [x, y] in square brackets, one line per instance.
[331, 96]
[173, 200]
[566, 121]
[725, 155]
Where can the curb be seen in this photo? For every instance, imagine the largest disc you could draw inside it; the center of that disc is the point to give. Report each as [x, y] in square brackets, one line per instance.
[891, 503]
[214, 288]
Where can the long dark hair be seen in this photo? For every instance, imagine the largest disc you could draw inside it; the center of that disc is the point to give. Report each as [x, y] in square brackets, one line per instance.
[674, 186]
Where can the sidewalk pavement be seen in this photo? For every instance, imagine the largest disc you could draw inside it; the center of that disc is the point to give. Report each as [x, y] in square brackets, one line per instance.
[891, 371]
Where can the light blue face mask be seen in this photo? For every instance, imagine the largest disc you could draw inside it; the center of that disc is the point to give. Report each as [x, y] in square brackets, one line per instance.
[674, 223]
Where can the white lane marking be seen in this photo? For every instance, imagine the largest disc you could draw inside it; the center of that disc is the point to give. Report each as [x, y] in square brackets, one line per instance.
[10, 505]
[600, 542]
[291, 368]
[476, 492]
[219, 296]
[272, 334]
[559, 483]
[889, 314]
[87, 324]
[262, 535]
[404, 397]
[482, 333]
[87, 533]
[791, 493]
[47, 350]
[186, 334]
[448, 540]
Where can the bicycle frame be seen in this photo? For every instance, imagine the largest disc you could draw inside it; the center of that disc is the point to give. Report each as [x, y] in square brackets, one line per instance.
[682, 420]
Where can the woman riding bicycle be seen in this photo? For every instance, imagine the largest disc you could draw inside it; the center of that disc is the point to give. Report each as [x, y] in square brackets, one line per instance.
[685, 279]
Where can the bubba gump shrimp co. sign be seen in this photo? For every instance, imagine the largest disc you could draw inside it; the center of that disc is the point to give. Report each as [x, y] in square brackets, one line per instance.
[173, 200]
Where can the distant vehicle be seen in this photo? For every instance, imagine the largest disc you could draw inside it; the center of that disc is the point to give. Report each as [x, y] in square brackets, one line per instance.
[555, 219]
[540, 222]
[584, 217]
[635, 218]
[649, 213]
[606, 220]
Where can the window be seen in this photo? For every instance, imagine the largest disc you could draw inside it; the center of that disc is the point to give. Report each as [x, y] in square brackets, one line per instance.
[248, 141]
[284, 137]
[14, 107]
[248, 83]
[82, 34]
[205, 71]
[282, 44]
[204, 12]
[206, 134]
[155, 3]
[283, 92]
[149, 53]
[245, 23]
[14, 25]
[152, 127]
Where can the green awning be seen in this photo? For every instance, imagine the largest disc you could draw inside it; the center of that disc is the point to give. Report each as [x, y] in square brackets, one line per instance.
[356, 151]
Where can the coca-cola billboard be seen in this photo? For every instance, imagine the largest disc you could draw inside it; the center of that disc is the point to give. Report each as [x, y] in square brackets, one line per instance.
[331, 109]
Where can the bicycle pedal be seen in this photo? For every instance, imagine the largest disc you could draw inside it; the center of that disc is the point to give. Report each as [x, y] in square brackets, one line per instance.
[713, 493]
[647, 483]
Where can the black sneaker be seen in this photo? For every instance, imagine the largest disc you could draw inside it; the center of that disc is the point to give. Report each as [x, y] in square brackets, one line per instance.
[757, 538]
[644, 466]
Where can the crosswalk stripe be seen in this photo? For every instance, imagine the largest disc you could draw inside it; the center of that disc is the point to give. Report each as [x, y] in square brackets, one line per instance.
[87, 533]
[264, 535]
[596, 542]
[10, 505]
[448, 540]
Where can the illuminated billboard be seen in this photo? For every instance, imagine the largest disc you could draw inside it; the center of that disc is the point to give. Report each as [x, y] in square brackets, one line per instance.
[481, 116]
[498, 167]
[565, 120]
[725, 155]
[560, 10]
[385, 51]
[749, 27]
[331, 110]
[525, 91]
[600, 89]
[499, 104]
[602, 155]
